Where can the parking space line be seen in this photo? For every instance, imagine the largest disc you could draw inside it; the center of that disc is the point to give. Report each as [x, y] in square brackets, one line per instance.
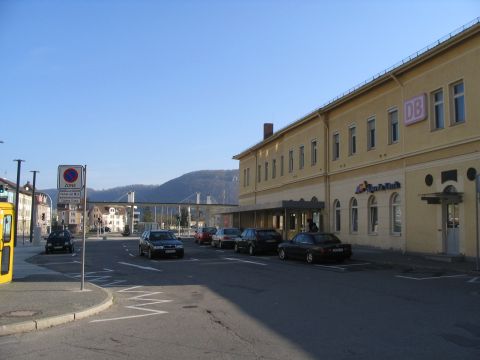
[474, 280]
[429, 277]
[138, 266]
[332, 267]
[246, 261]
[359, 264]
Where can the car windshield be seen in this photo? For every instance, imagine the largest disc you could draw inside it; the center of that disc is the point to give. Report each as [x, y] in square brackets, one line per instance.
[232, 232]
[161, 236]
[210, 230]
[325, 239]
[267, 234]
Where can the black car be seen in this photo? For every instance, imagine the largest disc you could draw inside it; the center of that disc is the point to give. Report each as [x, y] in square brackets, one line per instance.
[258, 240]
[314, 247]
[60, 240]
[160, 242]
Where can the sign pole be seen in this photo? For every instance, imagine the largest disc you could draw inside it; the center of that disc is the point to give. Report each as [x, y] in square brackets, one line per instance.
[82, 287]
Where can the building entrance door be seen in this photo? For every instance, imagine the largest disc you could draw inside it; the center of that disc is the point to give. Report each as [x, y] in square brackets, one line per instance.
[452, 243]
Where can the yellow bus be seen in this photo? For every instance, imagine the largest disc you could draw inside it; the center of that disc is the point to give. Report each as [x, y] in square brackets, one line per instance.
[6, 242]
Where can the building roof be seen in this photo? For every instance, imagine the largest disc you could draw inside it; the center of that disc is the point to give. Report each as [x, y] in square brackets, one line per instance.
[11, 185]
[389, 74]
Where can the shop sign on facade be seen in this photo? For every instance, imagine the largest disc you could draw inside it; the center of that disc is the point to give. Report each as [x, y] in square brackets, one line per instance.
[366, 187]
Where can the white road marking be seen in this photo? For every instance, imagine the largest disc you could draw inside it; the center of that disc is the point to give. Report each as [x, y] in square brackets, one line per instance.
[359, 264]
[429, 277]
[114, 282]
[131, 255]
[140, 267]
[63, 263]
[332, 267]
[474, 280]
[140, 307]
[246, 261]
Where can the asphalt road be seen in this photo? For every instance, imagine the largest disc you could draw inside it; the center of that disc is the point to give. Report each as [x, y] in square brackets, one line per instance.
[215, 304]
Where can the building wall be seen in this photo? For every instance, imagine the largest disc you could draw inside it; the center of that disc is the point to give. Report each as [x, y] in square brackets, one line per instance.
[419, 150]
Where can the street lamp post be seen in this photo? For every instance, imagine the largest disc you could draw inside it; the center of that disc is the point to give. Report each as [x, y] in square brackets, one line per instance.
[32, 215]
[15, 228]
[51, 209]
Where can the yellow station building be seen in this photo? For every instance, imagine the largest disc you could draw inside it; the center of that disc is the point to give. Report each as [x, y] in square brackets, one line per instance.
[390, 164]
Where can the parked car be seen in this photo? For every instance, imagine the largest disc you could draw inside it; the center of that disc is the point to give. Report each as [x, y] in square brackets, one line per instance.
[160, 242]
[60, 240]
[225, 237]
[258, 240]
[204, 235]
[315, 247]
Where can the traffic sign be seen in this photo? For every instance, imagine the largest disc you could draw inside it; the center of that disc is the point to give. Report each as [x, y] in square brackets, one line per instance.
[70, 177]
[69, 197]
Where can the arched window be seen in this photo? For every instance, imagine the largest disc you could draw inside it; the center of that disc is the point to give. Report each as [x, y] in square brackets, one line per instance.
[353, 215]
[372, 215]
[337, 218]
[396, 214]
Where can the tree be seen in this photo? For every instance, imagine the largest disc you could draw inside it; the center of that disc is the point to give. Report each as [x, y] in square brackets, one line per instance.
[147, 215]
[184, 216]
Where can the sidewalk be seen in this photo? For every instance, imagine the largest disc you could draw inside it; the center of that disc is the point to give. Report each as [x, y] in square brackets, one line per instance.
[39, 298]
[411, 261]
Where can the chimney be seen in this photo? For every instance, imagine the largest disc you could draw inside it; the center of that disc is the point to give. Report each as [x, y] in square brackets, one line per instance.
[267, 130]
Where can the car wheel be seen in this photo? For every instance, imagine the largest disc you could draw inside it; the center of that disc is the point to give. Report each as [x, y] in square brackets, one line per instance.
[236, 248]
[180, 256]
[150, 254]
[309, 257]
[72, 249]
[251, 250]
[220, 245]
[282, 255]
[46, 251]
[140, 251]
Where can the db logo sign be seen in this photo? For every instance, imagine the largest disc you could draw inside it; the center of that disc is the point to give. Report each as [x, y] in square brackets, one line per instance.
[415, 109]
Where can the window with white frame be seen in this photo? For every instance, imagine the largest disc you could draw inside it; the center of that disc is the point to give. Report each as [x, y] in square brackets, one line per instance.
[396, 212]
[353, 215]
[438, 118]
[337, 218]
[301, 157]
[371, 133]
[352, 140]
[458, 107]
[313, 152]
[394, 131]
[290, 161]
[372, 215]
[336, 146]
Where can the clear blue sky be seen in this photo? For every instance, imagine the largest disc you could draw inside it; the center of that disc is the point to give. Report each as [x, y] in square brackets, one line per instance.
[145, 91]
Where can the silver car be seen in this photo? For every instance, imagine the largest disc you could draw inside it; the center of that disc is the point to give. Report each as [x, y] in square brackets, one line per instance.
[225, 237]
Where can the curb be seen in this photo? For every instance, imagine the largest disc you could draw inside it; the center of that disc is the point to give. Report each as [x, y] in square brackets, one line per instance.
[51, 321]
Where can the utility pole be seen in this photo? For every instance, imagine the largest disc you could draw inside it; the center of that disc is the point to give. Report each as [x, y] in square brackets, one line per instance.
[15, 228]
[33, 210]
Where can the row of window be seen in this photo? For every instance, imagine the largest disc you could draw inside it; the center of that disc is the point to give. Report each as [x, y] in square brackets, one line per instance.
[457, 95]
[372, 210]
[266, 169]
